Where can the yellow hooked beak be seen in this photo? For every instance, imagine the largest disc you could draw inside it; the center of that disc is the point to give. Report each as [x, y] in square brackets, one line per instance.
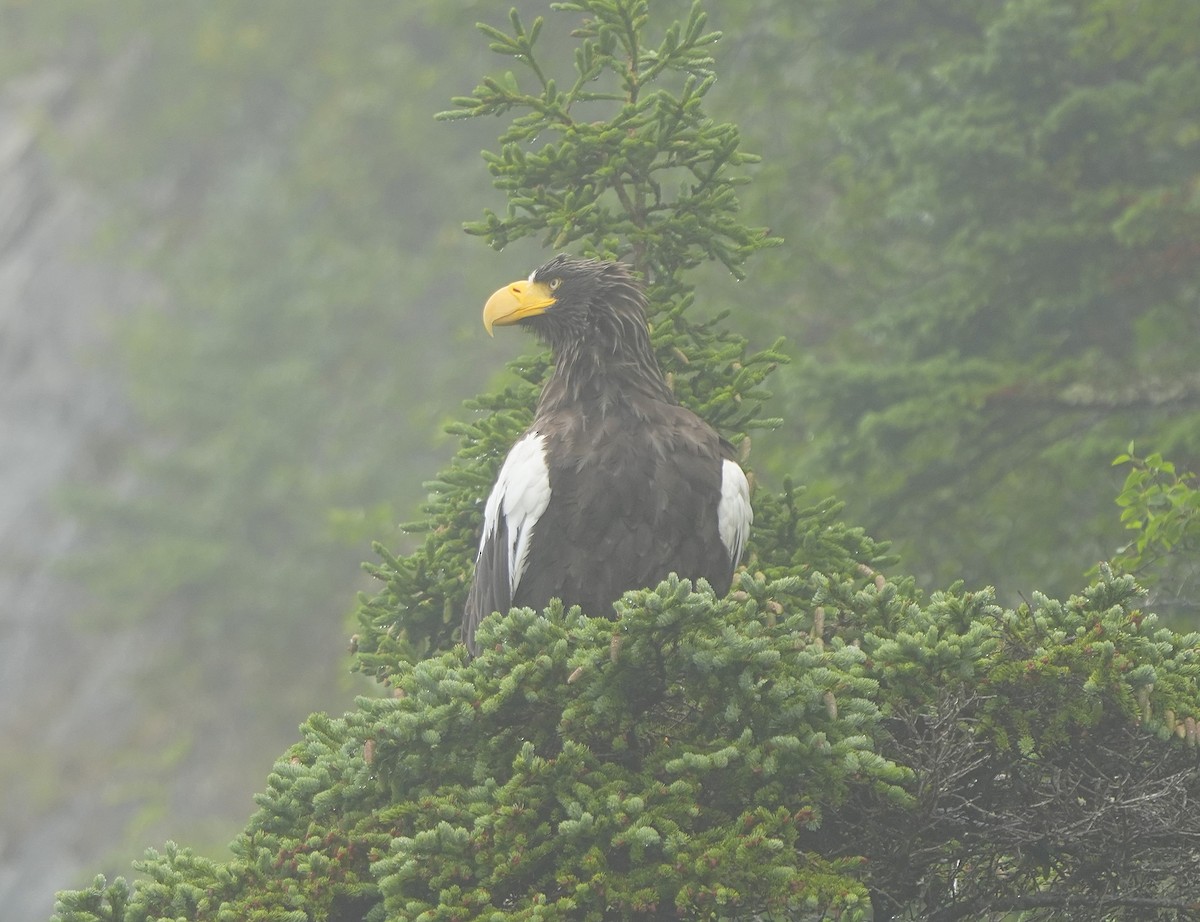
[515, 302]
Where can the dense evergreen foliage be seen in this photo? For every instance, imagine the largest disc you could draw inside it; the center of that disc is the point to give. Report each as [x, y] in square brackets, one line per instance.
[737, 758]
[1161, 506]
[826, 742]
[1000, 232]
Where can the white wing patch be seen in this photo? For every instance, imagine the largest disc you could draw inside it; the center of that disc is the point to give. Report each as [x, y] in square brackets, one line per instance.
[734, 514]
[521, 494]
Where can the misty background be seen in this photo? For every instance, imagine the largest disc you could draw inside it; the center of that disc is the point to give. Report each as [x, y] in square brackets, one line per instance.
[237, 307]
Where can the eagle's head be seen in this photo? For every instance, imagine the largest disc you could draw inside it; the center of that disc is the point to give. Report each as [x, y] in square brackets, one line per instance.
[592, 314]
[571, 300]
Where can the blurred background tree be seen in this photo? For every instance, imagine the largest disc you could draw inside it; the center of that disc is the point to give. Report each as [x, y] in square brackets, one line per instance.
[305, 317]
[994, 212]
[989, 280]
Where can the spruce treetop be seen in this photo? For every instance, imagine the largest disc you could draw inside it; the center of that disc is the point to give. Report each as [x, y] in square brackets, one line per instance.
[618, 161]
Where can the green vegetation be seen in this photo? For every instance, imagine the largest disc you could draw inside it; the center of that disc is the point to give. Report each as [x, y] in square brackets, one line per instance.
[655, 178]
[997, 229]
[258, 167]
[827, 742]
[1162, 508]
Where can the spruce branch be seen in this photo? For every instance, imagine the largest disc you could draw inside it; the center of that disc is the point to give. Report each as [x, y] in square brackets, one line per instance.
[600, 183]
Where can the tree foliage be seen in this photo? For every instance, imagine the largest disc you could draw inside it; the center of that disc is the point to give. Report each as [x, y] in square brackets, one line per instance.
[251, 162]
[805, 747]
[999, 269]
[822, 743]
[1161, 506]
[626, 164]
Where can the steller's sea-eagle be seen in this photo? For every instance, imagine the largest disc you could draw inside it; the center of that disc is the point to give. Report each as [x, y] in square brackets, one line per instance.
[615, 485]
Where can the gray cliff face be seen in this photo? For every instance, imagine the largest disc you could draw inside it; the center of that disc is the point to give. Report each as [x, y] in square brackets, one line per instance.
[63, 687]
[104, 749]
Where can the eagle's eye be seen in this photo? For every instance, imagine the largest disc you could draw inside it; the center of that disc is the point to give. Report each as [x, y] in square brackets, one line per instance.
[554, 283]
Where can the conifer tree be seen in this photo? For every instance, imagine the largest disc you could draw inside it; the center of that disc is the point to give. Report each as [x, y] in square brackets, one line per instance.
[1161, 507]
[823, 743]
[623, 163]
[1014, 232]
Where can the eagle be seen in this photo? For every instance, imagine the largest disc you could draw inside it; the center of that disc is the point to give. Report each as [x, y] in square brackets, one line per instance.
[615, 485]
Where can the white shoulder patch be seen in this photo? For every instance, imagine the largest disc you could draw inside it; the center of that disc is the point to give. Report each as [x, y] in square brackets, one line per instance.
[734, 514]
[521, 494]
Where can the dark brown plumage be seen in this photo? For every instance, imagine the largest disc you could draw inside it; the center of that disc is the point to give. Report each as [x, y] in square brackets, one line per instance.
[614, 485]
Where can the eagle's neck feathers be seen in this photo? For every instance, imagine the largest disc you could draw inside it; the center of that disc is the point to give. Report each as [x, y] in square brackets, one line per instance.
[605, 363]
